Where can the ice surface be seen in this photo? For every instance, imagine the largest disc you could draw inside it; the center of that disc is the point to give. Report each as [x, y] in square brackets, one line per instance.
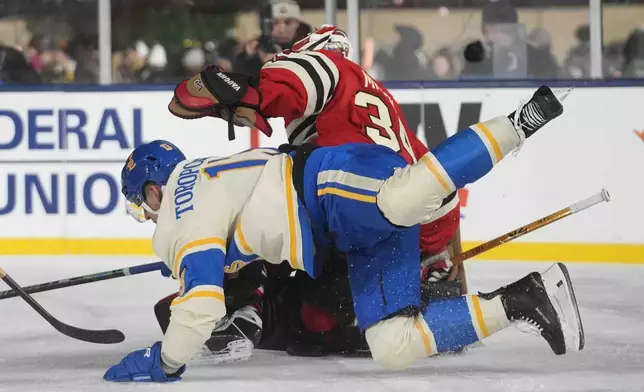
[35, 357]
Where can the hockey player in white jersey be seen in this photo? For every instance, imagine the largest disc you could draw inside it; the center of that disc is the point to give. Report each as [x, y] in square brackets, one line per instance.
[216, 215]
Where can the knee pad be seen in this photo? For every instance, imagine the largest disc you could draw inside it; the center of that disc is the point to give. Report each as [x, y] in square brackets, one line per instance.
[398, 342]
[411, 195]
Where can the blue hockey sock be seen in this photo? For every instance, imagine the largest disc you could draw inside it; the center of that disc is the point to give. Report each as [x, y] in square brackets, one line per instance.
[459, 322]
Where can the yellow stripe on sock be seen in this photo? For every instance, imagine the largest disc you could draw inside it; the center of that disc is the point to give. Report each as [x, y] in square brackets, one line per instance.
[432, 168]
[479, 316]
[424, 336]
[493, 142]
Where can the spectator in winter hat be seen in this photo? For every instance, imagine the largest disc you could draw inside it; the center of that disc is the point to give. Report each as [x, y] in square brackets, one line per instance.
[287, 28]
[505, 51]
[154, 70]
[157, 58]
[286, 21]
[141, 49]
[407, 61]
[193, 60]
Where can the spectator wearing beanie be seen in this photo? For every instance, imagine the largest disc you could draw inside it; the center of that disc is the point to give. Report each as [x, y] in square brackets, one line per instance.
[154, 70]
[286, 30]
[505, 52]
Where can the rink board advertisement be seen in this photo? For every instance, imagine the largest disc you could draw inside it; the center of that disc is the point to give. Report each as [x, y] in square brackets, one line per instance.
[61, 154]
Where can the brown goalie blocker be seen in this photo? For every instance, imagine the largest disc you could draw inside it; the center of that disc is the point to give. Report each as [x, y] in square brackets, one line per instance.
[227, 95]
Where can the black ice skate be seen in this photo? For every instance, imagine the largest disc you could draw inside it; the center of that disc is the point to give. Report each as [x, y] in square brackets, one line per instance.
[233, 338]
[545, 303]
[537, 112]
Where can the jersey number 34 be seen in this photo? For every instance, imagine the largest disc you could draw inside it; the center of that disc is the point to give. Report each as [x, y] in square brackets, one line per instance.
[383, 122]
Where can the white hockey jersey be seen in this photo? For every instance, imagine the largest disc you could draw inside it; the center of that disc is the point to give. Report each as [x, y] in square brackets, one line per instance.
[216, 216]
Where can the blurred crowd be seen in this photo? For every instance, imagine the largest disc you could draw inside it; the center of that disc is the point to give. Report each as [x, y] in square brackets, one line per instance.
[505, 50]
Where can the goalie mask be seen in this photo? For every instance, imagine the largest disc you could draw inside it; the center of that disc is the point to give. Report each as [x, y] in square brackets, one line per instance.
[327, 37]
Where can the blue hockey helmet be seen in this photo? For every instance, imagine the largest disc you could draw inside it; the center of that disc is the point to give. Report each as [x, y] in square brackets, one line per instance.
[152, 162]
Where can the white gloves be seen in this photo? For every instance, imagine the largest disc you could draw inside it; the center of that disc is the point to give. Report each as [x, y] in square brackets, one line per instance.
[435, 268]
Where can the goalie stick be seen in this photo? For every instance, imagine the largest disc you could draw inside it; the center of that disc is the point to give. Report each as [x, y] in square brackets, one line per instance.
[452, 284]
[532, 226]
[101, 336]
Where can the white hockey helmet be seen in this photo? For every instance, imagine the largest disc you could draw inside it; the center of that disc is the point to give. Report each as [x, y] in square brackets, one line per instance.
[327, 37]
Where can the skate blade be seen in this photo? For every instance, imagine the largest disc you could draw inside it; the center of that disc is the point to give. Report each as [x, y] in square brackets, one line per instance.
[562, 296]
[235, 351]
[562, 94]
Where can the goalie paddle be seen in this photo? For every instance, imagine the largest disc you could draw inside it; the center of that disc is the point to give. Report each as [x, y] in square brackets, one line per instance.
[108, 336]
[530, 227]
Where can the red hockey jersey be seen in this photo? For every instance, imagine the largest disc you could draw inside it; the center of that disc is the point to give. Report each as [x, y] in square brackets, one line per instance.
[329, 100]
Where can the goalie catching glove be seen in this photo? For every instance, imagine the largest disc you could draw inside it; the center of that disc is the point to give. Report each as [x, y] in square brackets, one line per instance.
[228, 95]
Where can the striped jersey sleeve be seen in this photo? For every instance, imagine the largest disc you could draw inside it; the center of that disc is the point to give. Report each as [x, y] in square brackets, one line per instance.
[194, 248]
[199, 266]
[298, 84]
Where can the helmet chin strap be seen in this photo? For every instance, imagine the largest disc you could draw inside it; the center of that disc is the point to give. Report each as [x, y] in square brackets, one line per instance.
[149, 209]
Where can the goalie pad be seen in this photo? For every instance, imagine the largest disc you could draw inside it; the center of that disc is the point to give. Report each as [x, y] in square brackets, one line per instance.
[231, 96]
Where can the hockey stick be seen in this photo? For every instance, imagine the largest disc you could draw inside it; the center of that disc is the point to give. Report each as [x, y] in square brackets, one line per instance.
[102, 336]
[530, 227]
[90, 278]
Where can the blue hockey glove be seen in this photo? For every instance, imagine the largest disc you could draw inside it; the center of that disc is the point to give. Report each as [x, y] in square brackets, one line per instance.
[165, 271]
[142, 366]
